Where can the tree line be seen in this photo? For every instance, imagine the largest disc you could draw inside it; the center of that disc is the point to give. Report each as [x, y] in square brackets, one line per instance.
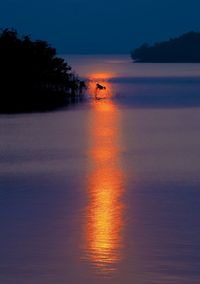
[185, 48]
[32, 76]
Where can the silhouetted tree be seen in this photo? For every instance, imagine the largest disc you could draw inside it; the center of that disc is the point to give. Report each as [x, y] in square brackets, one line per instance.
[32, 76]
[185, 48]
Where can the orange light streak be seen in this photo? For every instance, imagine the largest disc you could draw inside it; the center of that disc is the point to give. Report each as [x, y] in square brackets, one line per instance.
[105, 188]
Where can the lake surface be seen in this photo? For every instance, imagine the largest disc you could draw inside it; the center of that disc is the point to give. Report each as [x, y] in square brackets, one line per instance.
[107, 191]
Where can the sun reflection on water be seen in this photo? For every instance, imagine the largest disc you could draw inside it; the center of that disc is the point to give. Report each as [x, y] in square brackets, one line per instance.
[104, 213]
[103, 79]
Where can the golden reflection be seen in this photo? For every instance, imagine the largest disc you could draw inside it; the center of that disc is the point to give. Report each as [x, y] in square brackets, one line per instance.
[105, 186]
[100, 78]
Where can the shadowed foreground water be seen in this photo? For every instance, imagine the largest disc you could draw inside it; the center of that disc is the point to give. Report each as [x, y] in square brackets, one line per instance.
[106, 192]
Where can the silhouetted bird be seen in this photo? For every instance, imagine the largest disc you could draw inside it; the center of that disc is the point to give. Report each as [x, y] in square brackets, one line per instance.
[100, 87]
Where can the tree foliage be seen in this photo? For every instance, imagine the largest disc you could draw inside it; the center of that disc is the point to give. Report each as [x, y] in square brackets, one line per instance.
[32, 76]
[185, 48]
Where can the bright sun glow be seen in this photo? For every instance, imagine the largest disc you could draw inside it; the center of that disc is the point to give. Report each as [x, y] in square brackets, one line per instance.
[101, 76]
[103, 79]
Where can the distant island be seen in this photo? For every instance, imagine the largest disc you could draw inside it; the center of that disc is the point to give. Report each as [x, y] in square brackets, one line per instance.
[32, 76]
[183, 49]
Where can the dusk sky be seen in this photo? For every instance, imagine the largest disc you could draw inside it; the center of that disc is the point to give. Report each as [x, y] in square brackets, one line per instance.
[106, 26]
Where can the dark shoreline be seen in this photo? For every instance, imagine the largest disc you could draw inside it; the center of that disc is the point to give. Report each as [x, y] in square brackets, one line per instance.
[184, 49]
[48, 104]
[32, 77]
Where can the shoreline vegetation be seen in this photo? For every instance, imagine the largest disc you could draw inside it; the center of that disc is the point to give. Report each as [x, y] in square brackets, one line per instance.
[32, 77]
[183, 49]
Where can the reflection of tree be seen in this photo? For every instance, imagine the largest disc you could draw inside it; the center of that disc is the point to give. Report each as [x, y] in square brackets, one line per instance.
[32, 75]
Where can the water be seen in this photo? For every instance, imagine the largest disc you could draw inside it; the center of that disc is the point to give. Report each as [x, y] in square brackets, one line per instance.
[107, 191]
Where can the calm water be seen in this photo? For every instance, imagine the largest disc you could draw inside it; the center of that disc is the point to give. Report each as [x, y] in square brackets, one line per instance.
[107, 191]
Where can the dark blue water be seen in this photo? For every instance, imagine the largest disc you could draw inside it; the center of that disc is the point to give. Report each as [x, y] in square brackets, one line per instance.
[107, 191]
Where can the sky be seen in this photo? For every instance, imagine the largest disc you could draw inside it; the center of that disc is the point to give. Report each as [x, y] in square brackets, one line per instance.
[100, 26]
